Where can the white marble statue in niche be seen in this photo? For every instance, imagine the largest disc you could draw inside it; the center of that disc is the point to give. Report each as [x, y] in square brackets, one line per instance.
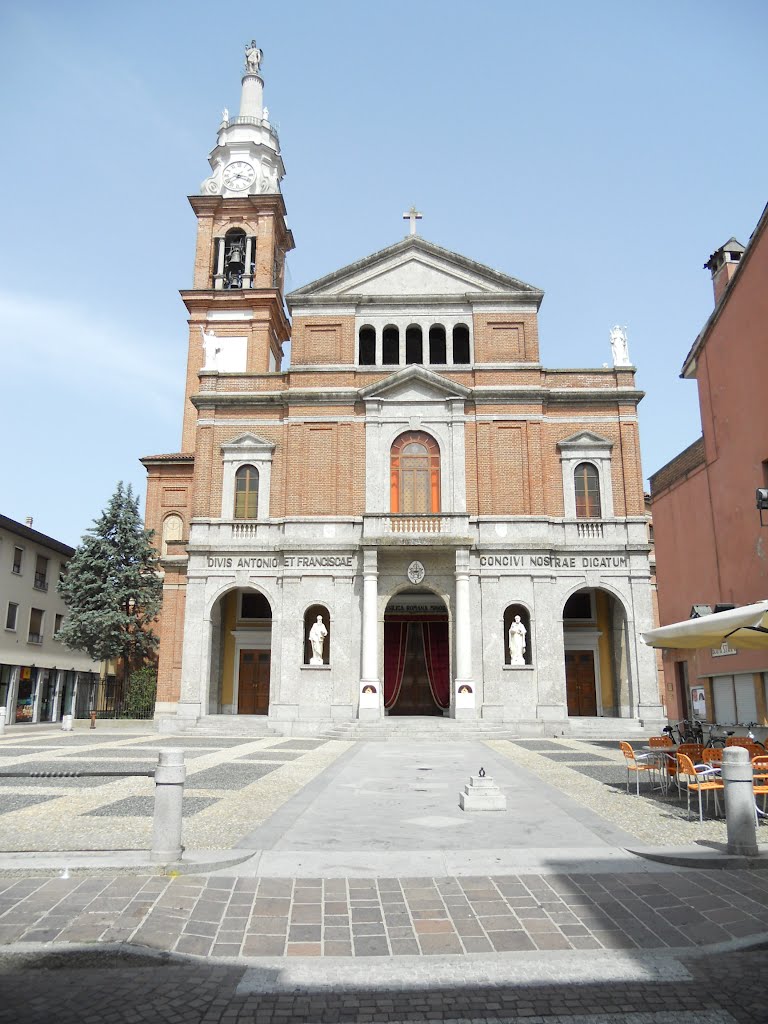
[619, 349]
[517, 633]
[317, 635]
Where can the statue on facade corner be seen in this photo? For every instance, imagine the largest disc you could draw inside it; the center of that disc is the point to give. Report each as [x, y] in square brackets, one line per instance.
[517, 632]
[253, 58]
[619, 349]
[317, 635]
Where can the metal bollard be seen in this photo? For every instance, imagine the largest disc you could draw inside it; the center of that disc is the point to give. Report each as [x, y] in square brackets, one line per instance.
[3, 713]
[739, 802]
[169, 792]
[66, 723]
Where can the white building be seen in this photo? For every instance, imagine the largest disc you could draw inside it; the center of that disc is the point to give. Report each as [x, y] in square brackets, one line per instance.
[40, 677]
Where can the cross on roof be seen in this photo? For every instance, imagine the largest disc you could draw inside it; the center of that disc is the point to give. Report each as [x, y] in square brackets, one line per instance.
[413, 215]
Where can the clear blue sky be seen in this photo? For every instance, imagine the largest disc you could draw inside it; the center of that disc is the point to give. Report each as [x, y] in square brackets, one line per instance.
[598, 150]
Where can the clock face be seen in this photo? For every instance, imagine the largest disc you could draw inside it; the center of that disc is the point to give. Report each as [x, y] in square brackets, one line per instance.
[238, 175]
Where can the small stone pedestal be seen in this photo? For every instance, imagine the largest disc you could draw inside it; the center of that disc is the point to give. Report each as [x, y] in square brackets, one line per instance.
[482, 794]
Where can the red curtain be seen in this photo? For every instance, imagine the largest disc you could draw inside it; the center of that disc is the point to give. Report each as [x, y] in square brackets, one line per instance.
[436, 656]
[395, 639]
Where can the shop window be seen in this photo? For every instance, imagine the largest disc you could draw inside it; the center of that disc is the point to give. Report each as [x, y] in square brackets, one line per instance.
[415, 474]
[587, 488]
[246, 492]
[734, 698]
[11, 616]
[516, 643]
[322, 643]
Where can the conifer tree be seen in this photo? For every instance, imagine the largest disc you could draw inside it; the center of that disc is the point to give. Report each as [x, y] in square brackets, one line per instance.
[112, 587]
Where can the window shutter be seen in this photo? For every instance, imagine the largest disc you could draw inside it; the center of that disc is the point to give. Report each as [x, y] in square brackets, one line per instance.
[746, 706]
[725, 702]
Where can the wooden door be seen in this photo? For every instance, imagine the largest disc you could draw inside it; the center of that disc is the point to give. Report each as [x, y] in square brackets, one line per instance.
[253, 683]
[580, 683]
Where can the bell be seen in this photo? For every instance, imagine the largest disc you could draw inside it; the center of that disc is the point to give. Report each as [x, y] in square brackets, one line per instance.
[235, 257]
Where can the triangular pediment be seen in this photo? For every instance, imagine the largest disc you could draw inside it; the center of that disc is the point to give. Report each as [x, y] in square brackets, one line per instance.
[415, 384]
[585, 439]
[414, 267]
[248, 442]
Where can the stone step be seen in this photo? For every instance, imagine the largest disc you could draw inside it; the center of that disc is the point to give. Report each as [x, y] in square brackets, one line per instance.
[413, 729]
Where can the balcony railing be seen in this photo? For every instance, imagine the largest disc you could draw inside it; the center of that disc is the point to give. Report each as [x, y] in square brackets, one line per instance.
[589, 530]
[407, 526]
[41, 581]
[35, 638]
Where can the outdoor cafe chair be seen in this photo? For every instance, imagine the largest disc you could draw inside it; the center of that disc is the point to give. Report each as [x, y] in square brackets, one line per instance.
[667, 765]
[636, 763]
[760, 782]
[693, 750]
[701, 778]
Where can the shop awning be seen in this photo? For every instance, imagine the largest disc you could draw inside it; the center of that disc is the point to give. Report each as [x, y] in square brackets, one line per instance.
[744, 628]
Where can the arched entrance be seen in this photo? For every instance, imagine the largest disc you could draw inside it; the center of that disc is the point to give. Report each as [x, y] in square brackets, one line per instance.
[595, 641]
[416, 655]
[241, 653]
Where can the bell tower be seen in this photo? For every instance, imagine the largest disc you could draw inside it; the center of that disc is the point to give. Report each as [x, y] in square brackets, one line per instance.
[236, 310]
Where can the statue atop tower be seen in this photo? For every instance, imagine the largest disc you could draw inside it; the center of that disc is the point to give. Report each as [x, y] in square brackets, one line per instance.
[253, 58]
[246, 160]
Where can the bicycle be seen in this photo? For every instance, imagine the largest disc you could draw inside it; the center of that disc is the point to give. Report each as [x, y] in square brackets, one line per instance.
[718, 735]
[751, 736]
[687, 731]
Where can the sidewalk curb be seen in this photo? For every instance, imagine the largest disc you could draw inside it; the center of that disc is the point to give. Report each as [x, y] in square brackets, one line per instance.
[123, 862]
[702, 857]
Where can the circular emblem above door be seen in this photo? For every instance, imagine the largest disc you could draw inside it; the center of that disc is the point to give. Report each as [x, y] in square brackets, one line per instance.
[416, 572]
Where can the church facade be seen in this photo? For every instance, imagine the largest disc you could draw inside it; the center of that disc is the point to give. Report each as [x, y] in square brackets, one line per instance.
[415, 517]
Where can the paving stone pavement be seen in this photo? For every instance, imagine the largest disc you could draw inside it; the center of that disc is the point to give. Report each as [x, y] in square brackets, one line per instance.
[85, 989]
[586, 946]
[225, 917]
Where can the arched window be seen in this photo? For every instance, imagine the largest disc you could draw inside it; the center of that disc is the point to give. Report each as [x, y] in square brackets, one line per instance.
[234, 258]
[366, 347]
[517, 643]
[415, 474]
[246, 493]
[312, 614]
[173, 527]
[461, 344]
[390, 345]
[414, 347]
[586, 481]
[437, 348]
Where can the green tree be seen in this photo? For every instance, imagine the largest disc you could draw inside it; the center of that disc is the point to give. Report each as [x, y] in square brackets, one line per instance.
[112, 587]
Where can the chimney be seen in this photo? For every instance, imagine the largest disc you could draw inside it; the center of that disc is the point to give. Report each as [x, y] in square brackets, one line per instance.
[29, 520]
[723, 264]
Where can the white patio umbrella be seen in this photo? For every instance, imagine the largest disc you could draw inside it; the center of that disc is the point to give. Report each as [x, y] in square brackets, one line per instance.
[745, 628]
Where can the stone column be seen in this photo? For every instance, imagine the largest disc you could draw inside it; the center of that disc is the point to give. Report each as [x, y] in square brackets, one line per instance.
[371, 704]
[463, 631]
[195, 659]
[218, 279]
[548, 603]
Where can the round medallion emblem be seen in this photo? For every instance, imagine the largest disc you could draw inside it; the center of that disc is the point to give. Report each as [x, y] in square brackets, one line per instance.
[416, 572]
